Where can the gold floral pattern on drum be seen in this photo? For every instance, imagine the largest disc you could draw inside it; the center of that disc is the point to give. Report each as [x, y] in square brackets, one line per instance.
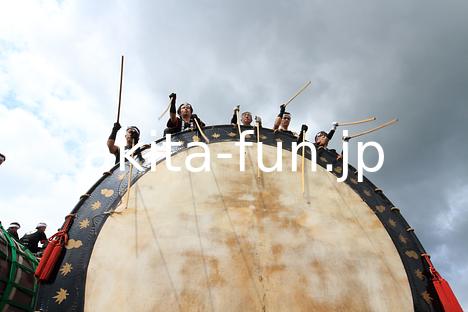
[73, 244]
[403, 238]
[338, 170]
[84, 223]
[107, 192]
[231, 134]
[412, 254]
[368, 193]
[66, 268]
[61, 295]
[323, 159]
[392, 222]
[215, 135]
[427, 297]
[263, 137]
[196, 138]
[380, 208]
[354, 181]
[419, 274]
[96, 205]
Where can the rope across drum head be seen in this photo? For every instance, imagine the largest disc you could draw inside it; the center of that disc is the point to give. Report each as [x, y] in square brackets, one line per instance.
[231, 240]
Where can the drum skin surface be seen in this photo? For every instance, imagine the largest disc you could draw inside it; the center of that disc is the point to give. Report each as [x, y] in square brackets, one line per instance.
[227, 240]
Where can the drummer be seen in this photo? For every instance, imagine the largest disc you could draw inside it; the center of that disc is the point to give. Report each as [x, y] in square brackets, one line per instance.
[186, 119]
[13, 230]
[282, 121]
[322, 138]
[246, 117]
[31, 240]
[132, 136]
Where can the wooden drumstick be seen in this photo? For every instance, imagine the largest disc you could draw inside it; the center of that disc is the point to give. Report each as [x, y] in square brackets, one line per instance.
[351, 123]
[201, 131]
[238, 120]
[129, 179]
[297, 93]
[120, 90]
[303, 162]
[165, 111]
[258, 141]
[388, 123]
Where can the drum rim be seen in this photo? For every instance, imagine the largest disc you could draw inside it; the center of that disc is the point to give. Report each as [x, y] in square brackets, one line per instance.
[423, 295]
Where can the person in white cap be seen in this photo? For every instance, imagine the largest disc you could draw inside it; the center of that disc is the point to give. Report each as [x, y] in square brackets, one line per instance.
[13, 230]
[246, 117]
[32, 239]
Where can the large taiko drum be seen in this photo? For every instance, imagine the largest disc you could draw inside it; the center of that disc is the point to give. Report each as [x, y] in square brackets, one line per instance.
[18, 285]
[227, 240]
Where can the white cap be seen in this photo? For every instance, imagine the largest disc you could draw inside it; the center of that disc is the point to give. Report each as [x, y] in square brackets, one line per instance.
[41, 224]
[14, 225]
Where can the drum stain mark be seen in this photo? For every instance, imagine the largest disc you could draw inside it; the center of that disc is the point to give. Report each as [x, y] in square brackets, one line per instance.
[194, 296]
[275, 268]
[156, 240]
[277, 250]
[263, 209]
[193, 258]
[236, 241]
[190, 301]
[203, 259]
[348, 300]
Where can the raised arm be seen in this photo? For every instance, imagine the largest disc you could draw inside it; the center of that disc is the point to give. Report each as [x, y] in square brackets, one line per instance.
[332, 131]
[172, 111]
[113, 149]
[304, 129]
[234, 116]
[279, 117]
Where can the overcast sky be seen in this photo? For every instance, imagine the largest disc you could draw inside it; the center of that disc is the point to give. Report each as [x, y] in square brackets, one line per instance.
[59, 76]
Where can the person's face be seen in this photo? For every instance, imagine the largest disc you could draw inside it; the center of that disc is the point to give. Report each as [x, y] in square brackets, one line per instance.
[186, 111]
[322, 140]
[13, 229]
[41, 229]
[246, 119]
[285, 121]
[129, 136]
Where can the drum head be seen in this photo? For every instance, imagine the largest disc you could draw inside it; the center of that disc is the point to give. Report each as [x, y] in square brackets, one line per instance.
[227, 240]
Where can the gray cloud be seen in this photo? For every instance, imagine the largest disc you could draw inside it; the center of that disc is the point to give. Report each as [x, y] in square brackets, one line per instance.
[388, 59]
